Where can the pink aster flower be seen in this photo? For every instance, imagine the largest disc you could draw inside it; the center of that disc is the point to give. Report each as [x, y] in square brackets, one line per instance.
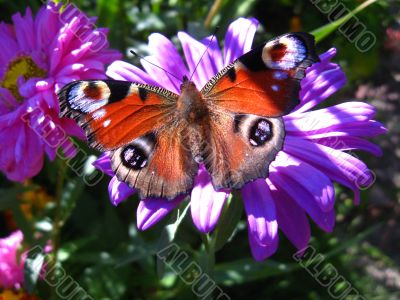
[300, 183]
[11, 264]
[37, 57]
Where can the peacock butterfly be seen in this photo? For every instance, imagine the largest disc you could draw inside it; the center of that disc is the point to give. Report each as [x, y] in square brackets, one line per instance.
[233, 125]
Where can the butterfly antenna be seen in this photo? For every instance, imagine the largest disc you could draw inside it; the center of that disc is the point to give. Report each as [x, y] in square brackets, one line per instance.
[153, 64]
[205, 51]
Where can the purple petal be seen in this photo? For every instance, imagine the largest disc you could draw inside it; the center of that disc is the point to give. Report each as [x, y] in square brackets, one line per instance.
[239, 38]
[193, 51]
[152, 210]
[8, 45]
[321, 81]
[24, 30]
[322, 119]
[118, 191]
[311, 179]
[164, 79]
[121, 70]
[285, 176]
[262, 251]
[167, 57]
[337, 165]
[103, 164]
[350, 143]
[291, 218]
[214, 53]
[261, 215]
[206, 203]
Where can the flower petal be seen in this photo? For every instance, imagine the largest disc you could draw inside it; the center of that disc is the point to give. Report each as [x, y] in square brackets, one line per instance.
[206, 203]
[261, 214]
[311, 179]
[152, 210]
[286, 182]
[337, 165]
[262, 251]
[239, 38]
[193, 51]
[322, 119]
[118, 191]
[321, 81]
[103, 164]
[291, 218]
[166, 56]
[121, 70]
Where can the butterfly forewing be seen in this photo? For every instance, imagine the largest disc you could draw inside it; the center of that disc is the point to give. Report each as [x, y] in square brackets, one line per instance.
[266, 80]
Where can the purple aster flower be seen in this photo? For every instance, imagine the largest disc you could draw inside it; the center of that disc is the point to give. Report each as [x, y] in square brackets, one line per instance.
[300, 183]
[37, 57]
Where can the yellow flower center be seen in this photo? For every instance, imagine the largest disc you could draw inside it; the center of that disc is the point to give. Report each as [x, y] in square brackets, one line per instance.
[21, 66]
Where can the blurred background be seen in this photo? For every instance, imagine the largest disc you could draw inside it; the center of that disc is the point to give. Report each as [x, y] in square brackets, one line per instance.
[99, 246]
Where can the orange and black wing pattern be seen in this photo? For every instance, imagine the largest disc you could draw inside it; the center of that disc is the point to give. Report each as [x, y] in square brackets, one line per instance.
[246, 100]
[266, 80]
[137, 124]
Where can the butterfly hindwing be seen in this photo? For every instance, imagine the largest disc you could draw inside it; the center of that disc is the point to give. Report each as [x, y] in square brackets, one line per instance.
[157, 165]
[241, 147]
[266, 80]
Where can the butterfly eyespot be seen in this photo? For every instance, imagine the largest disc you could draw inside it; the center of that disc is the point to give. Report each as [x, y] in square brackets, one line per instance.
[284, 53]
[260, 132]
[134, 157]
[93, 91]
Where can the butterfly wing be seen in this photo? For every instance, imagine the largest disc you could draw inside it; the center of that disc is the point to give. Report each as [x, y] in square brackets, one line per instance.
[240, 148]
[245, 101]
[137, 124]
[266, 80]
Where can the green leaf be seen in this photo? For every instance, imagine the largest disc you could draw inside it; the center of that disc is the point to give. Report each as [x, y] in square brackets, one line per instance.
[348, 243]
[247, 269]
[229, 219]
[70, 194]
[168, 235]
[324, 31]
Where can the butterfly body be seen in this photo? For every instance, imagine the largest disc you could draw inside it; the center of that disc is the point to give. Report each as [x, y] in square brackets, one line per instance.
[157, 139]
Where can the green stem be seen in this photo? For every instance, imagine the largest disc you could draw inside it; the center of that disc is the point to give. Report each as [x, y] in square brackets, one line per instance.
[208, 266]
[55, 239]
[215, 8]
